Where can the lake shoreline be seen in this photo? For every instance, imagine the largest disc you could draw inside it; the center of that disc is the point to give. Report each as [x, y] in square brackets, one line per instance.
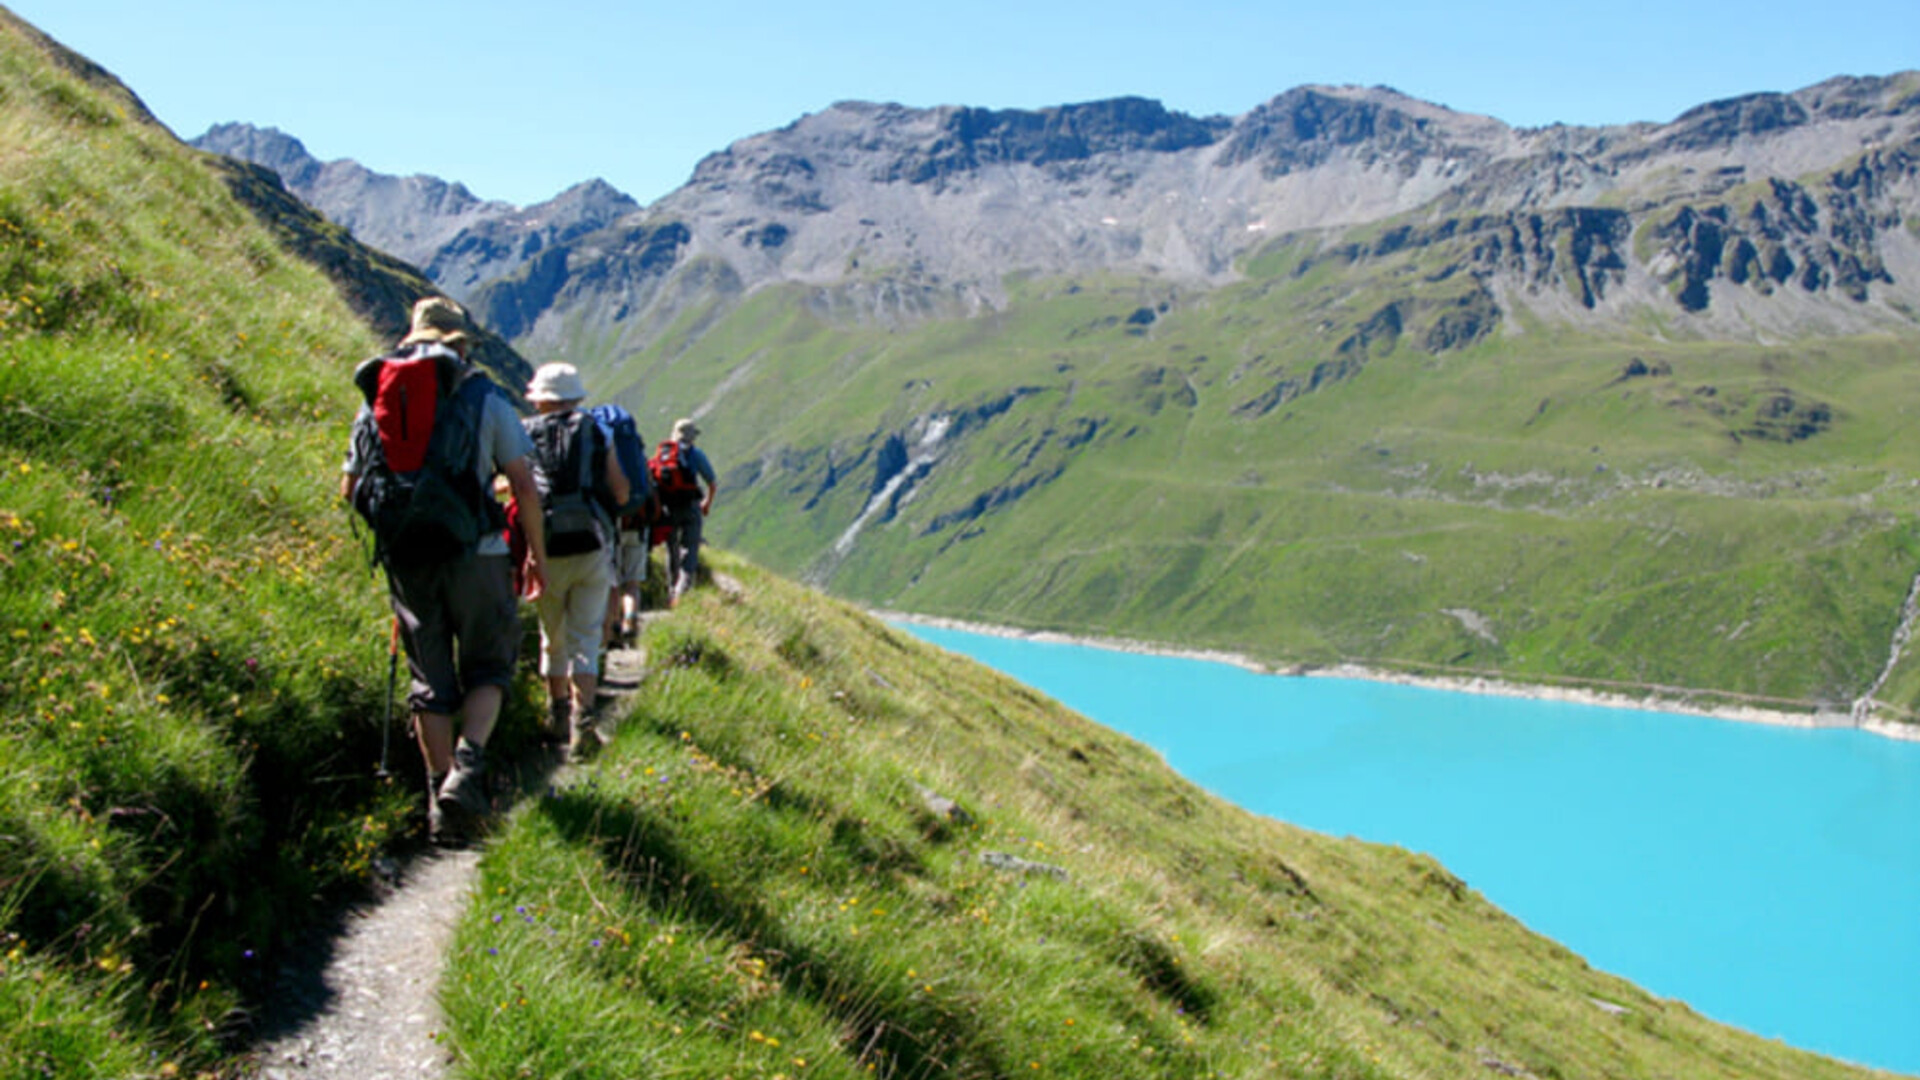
[1653, 701]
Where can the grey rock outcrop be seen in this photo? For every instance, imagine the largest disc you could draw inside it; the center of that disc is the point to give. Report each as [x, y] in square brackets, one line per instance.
[459, 239]
[1761, 215]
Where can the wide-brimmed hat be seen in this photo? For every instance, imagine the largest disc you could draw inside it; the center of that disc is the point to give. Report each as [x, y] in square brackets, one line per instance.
[556, 382]
[684, 429]
[438, 319]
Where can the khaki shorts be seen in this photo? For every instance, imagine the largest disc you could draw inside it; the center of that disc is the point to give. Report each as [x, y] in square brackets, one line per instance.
[572, 611]
[630, 559]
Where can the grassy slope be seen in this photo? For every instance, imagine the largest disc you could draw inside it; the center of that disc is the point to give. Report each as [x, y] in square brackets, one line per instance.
[1607, 529]
[195, 649]
[749, 883]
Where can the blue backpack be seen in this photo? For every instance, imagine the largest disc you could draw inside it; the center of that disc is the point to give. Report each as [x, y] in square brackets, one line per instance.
[631, 449]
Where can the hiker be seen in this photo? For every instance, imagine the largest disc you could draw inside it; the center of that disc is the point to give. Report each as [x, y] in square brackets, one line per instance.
[579, 476]
[634, 519]
[679, 468]
[633, 559]
[425, 447]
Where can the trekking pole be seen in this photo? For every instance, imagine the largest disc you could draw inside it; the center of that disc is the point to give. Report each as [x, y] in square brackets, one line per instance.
[386, 719]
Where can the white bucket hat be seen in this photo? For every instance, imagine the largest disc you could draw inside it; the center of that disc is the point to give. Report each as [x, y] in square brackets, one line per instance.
[556, 382]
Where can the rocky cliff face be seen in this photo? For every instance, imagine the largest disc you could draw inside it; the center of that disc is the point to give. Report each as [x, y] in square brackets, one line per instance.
[378, 287]
[461, 240]
[905, 213]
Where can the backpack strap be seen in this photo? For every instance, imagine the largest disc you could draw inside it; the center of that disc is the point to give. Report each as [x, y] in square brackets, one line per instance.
[583, 429]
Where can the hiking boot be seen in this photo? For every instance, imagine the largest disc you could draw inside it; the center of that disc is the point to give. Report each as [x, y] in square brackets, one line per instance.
[463, 797]
[587, 741]
[437, 832]
[554, 732]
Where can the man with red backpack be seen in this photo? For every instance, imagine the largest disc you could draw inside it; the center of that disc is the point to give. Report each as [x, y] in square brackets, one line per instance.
[679, 468]
[420, 465]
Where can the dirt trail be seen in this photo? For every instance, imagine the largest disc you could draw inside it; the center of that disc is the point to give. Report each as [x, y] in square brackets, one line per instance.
[359, 1002]
[370, 1011]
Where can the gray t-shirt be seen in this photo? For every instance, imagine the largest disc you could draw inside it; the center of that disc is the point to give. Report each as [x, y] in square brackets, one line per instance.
[502, 442]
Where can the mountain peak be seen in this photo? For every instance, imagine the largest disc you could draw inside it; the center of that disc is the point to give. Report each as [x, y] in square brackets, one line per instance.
[268, 146]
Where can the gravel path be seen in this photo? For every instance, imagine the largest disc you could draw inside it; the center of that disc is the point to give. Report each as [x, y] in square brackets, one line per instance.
[370, 1011]
[358, 1002]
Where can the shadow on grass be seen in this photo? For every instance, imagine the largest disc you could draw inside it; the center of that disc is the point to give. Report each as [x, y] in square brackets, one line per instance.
[886, 1026]
[300, 993]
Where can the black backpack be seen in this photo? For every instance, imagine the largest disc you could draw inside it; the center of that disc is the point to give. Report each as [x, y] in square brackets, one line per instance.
[418, 442]
[569, 452]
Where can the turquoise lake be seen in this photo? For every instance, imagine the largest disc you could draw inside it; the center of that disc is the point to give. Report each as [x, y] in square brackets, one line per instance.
[1767, 876]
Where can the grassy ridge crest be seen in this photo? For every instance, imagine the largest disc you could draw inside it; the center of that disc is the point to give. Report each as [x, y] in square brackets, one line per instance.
[194, 664]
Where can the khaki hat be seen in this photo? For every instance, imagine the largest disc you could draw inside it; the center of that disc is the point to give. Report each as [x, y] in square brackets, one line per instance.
[438, 319]
[556, 382]
[684, 429]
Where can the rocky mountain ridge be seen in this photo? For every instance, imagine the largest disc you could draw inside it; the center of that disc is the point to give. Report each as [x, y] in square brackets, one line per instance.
[903, 213]
[1309, 382]
[459, 239]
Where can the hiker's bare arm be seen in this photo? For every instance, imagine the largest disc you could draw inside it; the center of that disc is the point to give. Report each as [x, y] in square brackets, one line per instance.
[617, 481]
[533, 521]
[532, 512]
[706, 504]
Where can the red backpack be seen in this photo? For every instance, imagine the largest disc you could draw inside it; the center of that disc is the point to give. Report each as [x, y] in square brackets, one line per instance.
[673, 475]
[405, 396]
[417, 441]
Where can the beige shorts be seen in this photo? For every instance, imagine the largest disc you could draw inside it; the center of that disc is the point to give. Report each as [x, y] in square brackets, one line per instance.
[572, 611]
[630, 558]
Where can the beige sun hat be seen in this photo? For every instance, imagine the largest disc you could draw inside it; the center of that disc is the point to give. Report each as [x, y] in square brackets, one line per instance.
[556, 382]
[685, 429]
[438, 319]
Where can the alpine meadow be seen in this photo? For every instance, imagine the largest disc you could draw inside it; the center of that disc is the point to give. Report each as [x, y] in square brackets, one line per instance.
[1603, 444]
[1349, 378]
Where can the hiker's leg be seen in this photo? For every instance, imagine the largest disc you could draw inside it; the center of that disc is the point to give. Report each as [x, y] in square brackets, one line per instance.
[610, 622]
[590, 585]
[486, 611]
[552, 609]
[586, 611]
[479, 712]
[435, 731]
[426, 634]
[646, 565]
[690, 562]
[674, 554]
[630, 571]
[585, 688]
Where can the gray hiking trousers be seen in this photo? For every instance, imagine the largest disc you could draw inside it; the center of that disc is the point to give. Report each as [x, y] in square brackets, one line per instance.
[460, 623]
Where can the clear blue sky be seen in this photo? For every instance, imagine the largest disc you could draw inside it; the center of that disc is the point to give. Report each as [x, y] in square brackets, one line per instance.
[520, 100]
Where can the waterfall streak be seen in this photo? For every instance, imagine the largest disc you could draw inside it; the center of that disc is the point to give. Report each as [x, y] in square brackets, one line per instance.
[1863, 707]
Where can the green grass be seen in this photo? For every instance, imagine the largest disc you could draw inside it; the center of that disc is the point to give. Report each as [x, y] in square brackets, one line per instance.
[195, 647]
[193, 683]
[1186, 482]
[749, 883]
